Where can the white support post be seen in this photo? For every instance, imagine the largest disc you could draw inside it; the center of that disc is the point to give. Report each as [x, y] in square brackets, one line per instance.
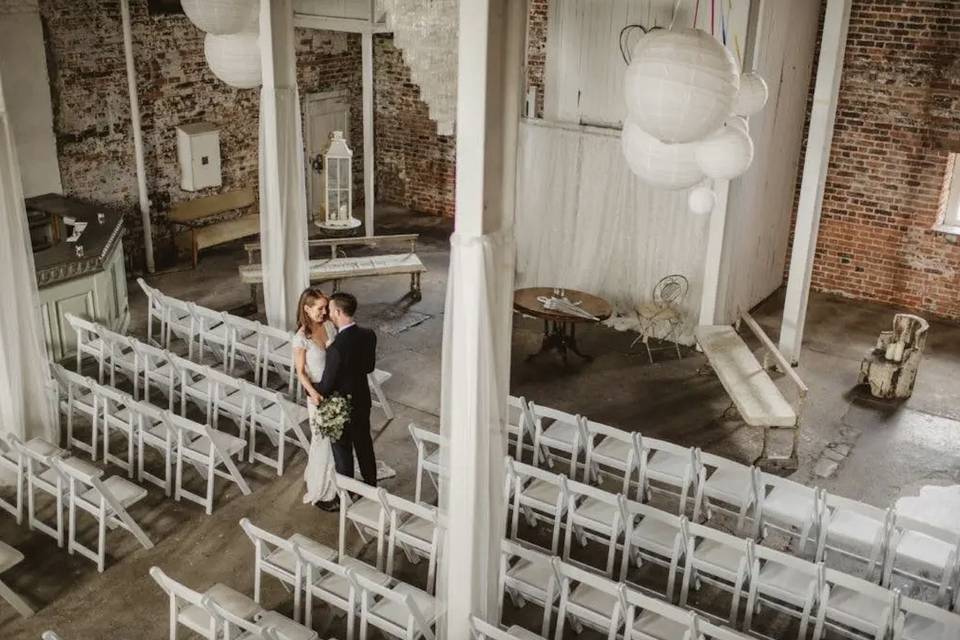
[476, 349]
[368, 151]
[816, 162]
[142, 195]
[283, 194]
[713, 260]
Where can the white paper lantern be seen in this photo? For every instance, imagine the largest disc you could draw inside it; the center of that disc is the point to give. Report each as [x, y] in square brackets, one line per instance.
[701, 200]
[223, 17]
[726, 154]
[752, 95]
[234, 58]
[660, 164]
[681, 84]
[738, 122]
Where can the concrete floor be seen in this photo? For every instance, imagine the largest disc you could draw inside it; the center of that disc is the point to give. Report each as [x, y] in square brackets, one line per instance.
[895, 449]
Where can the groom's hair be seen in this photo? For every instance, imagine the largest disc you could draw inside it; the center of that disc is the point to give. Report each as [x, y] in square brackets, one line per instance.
[346, 302]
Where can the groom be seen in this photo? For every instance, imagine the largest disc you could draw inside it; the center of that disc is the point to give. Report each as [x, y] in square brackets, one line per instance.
[349, 359]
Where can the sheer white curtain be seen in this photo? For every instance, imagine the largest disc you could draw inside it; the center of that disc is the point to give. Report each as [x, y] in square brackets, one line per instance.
[585, 222]
[24, 401]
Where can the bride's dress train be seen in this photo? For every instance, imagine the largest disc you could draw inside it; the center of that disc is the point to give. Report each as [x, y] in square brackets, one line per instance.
[320, 471]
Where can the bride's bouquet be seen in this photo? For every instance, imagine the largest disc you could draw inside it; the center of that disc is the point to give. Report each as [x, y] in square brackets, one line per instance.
[330, 417]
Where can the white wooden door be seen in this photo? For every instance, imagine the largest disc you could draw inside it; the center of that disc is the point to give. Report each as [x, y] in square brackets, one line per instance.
[324, 113]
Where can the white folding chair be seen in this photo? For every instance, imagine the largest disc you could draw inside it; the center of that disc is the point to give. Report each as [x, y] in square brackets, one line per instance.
[231, 398]
[730, 487]
[676, 467]
[556, 430]
[155, 431]
[206, 450]
[428, 446]
[594, 602]
[401, 611]
[415, 529]
[784, 583]
[277, 356]
[655, 536]
[519, 425]
[9, 558]
[854, 529]
[652, 619]
[376, 379]
[118, 413]
[187, 606]
[244, 338]
[924, 555]
[595, 514]
[155, 309]
[281, 421]
[368, 513]
[77, 397]
[107, 501]
[157, 371]
[179, 320]
[718, 559]
[528, 575]
[918, 620]
[791, 508]
[481, 630]
[12, 473]
[212, 332]
[89, 343]
[610, 452]
[540, 495]
[854, 607]
[38, 455]
[196, 385]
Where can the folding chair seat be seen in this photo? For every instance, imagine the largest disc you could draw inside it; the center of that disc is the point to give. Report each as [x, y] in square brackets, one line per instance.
[415, 528]
[853, 607]
[157, 371]
[119, 356]
[556, 430]
[89, 343]
[595, 514]
[654, 535]
[376, 379]
[196, 385]
[784, 583]
[924, 555]
[428, 458]
[791, 508]
[730, 487]
[918, 620]
[41, 473]
[107, 501]
[118, 413]
[267, 625]
[155, 431]
[179, 320]
[244, 338]
[648, 618]
[212, 332]
[12, 473]
[77, 396]
[368, 513]
[540, 494]
[665, 463]
[532, 576]
[230, 397]
[854, 529]
[481, 630]
[206, 450]
[187, 606]
[595, 601]
[718, 559]
[9, 558]
[617, 451]
[282, 422]
[402, 611]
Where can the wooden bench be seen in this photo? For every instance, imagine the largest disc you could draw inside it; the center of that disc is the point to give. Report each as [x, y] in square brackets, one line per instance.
[197, 215]
[759, 401]
[339, 266]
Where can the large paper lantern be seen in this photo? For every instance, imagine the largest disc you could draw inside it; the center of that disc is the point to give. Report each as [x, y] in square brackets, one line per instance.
[726, 154]
[681, 84]
[223, 17]
[660, 164]
[234, 58]
[752, 95]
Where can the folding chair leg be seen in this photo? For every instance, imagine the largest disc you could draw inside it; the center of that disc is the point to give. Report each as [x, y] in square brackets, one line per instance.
[15, 600]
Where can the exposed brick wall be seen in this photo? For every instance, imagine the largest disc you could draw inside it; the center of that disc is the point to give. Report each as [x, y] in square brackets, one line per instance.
[899, 101]
[537, 49]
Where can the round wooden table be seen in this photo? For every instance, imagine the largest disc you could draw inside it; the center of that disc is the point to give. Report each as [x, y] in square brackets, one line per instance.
[559, 329]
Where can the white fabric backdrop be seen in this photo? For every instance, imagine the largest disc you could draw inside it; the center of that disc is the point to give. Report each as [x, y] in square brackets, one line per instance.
[585, 222]
[24, 393]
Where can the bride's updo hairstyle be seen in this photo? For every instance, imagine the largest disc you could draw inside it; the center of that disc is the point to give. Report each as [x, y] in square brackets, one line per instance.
[307, 298]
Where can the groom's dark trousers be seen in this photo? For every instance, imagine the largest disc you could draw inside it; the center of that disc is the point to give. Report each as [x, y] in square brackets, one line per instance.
[349, 359]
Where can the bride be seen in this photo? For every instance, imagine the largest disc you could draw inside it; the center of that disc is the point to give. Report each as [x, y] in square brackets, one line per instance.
[314, 334]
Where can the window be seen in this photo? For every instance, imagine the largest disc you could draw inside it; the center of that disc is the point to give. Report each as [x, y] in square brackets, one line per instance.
[949, 220]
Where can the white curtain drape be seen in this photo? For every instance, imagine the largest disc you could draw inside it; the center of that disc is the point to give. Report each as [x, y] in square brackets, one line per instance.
[476, 371]
[585, 222]
[24, 375]
[283, 204]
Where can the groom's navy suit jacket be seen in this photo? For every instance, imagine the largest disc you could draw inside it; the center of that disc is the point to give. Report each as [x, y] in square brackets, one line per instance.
[350, 358]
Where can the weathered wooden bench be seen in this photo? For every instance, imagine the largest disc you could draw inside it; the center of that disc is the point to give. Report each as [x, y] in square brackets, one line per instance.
[759, 401]
[199, 217]
[338, 266]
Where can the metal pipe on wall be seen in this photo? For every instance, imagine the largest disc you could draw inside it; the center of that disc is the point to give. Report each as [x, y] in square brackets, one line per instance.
[142, 195]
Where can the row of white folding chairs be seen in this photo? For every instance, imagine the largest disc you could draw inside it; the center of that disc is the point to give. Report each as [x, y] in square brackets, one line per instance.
[214, 391]
[261, 346]
[222, 613]
[75, 486]
[178, 440]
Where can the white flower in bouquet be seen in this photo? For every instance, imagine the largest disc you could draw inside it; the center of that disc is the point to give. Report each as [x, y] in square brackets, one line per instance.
[330, 417]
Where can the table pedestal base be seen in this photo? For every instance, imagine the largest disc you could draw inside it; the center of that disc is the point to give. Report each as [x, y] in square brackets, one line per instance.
[561, 337]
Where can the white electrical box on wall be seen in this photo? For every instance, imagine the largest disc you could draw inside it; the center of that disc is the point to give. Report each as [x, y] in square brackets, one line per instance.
[198, 150]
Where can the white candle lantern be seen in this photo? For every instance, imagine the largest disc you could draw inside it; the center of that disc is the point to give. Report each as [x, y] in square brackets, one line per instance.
[339, 185]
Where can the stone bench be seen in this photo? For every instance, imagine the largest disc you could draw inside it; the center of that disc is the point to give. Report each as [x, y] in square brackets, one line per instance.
[201, 217]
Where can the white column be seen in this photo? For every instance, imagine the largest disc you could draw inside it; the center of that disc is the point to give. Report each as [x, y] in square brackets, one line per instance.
[24, 374]
[476, 362]
[816, 161]
[368, 150]
[713, 260]
[283, 194]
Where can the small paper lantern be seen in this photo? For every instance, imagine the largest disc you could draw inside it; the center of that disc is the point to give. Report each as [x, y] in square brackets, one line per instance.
[752, 95]
[726, 154]
[234, 58]
[738, 122]
[701, 200]
[681, 84]
[660, 164]
[223, 17]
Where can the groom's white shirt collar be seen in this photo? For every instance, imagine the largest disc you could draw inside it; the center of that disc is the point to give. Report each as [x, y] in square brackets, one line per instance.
[352, 324]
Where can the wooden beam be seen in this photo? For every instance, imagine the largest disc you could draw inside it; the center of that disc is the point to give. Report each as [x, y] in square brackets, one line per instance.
[348, 25]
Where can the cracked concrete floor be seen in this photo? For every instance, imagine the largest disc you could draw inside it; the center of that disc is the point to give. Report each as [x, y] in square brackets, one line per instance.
[894, 449]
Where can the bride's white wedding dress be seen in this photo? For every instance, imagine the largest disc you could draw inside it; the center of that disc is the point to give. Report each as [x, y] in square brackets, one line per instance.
[320, 472]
